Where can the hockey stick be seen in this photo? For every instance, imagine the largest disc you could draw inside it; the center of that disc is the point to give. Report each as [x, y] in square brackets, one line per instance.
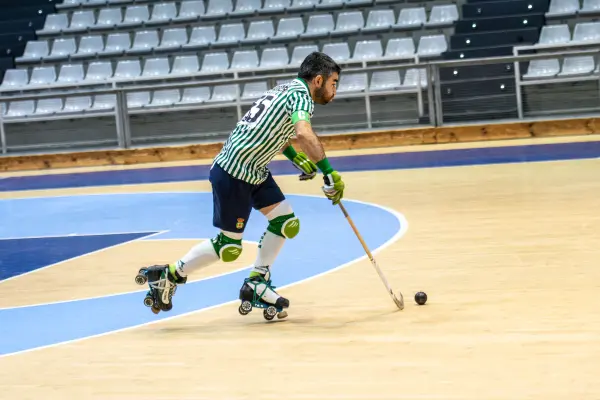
[399, 301]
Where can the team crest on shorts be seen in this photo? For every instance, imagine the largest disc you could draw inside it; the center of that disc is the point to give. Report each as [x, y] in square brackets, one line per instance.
[240, 223]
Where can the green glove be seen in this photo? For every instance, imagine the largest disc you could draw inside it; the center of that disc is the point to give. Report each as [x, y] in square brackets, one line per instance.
[301, 161]
[334, 186]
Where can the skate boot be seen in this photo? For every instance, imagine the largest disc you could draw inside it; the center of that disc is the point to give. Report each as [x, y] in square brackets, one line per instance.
[163, 281]
[257, 291]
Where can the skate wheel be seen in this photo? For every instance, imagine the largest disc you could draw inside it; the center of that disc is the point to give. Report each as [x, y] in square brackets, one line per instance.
[245, 307]
[148, 301]
[282, 315]
[167, 307]
[155, 310]
[270, 313]
[141, 279]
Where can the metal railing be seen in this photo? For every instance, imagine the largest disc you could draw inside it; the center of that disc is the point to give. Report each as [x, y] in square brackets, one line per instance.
[433, 99]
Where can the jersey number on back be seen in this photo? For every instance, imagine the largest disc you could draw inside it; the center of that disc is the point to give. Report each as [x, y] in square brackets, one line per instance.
[258, 109]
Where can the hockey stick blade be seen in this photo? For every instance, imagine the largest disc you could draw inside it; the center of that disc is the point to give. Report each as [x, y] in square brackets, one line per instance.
[398, 300]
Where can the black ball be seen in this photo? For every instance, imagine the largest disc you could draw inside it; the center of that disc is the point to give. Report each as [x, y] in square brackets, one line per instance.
[421, 298]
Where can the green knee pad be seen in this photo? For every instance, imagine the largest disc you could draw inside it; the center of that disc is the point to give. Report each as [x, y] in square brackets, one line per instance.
[286, 226]
[227, 249]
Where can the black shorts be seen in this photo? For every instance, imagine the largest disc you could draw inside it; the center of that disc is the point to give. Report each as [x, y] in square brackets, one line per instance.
[233, 199]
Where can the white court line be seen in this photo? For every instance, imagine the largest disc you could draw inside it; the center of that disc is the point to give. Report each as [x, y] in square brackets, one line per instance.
[83, 234]
[133, 291]
[80, 256]
[397, 236]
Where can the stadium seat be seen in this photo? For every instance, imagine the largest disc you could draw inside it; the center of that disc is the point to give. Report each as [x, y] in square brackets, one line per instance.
[562, 8]
[432, 45]
[144, 42]
[15, 78]
[356, 82]
[20, 108]
[542, 69]
[99, 71]
[274, 57]
[340, 52]
[368, 49]
[34, 50]
[411, 17]
[415, 77]
[319, 25]
[224, 93]
[555, 34]
[300, 52]
[201, 36]
[380, 20]
[89, 46]
[195, 95]
[138, 99]
[117, 43]
[135, 15]
[219, 7]
[246, 59]
[577, 65]
[173, 39]
[55, 23]
[385, 80]
[77, 104]
[167, 97]
[48, 106]
[254, 90]
[442, 15]
[104, 102]
[183, 65]
[81, 20]
[215, 62]
[289, 27]
[400, 48]
[190, 10]
[70, 73]
[156, 67]
[109, 17]
[43, 76]
[586, 32]
[231, 33]
[259, 32]
[127, 69]
[163, 12]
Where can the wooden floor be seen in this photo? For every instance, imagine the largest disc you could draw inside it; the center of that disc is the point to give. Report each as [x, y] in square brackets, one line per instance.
[508, 255]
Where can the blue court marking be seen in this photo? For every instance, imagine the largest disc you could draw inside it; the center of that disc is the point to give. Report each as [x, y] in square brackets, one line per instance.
[23, 255]
[418, 159]
[326, 241]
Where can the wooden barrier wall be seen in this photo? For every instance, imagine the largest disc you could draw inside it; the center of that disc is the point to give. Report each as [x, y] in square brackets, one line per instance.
[397, 137]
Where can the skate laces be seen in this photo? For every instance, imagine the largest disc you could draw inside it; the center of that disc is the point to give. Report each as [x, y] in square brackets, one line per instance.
[165, 287]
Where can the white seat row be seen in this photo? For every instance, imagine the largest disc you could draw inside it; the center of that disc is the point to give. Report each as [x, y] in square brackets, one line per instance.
[561, 34]
[277, 57]
[571, 66]
[380, 81]
[432, 45]
[572, 7]
[164, 12]
[219, 7]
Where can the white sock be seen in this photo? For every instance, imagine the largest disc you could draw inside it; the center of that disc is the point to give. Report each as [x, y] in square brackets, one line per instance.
[268, 249]
[200, 256]
[271, 244]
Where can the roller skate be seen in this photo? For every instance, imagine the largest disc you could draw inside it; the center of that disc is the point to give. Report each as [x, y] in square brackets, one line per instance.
[258, 292]
[163, 285]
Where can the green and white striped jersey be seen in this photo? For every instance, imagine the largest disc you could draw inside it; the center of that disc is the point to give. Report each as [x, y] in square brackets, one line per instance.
[264, 130]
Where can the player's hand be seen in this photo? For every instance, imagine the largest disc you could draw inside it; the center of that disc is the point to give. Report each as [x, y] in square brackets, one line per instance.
[308, 168]
[334, 187]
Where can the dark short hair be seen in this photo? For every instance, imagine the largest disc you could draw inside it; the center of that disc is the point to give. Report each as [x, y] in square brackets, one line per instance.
[317, 63]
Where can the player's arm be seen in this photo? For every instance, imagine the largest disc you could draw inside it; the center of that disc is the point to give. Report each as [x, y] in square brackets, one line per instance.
[310, 143]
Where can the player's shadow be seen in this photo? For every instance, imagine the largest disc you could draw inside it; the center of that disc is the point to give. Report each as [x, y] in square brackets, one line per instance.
[256, 321]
